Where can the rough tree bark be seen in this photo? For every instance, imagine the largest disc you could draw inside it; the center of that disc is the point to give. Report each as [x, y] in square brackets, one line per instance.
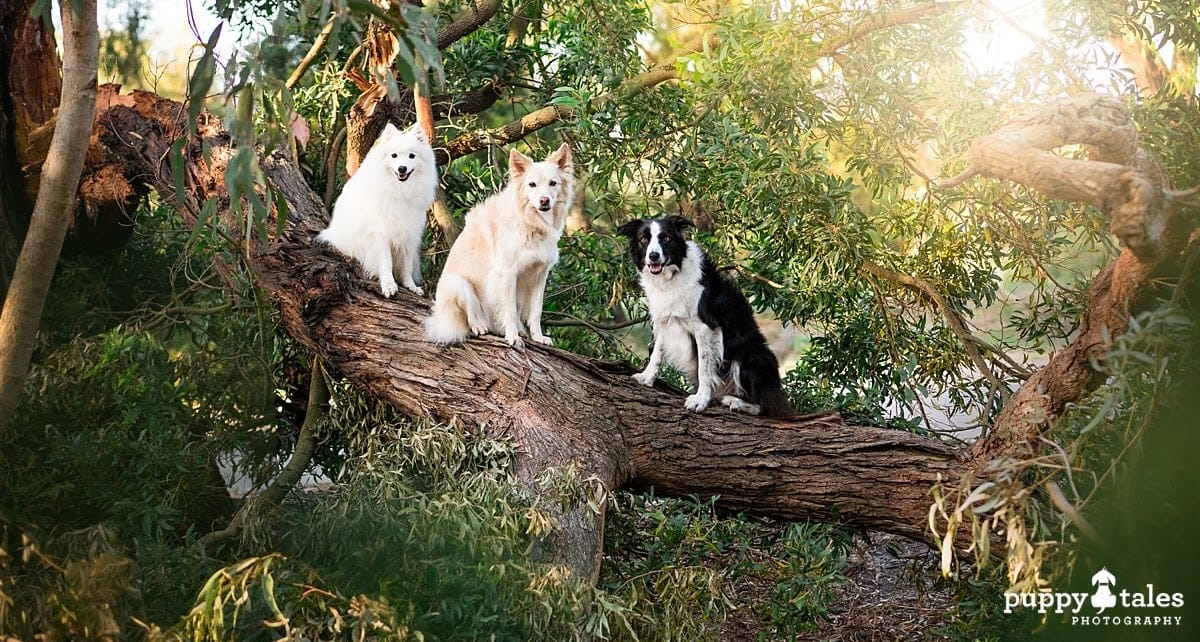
[102, 216]
[51, 213]
[29, 90]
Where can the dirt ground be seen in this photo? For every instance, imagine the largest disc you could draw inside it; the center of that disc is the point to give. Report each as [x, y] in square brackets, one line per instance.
[891, 593]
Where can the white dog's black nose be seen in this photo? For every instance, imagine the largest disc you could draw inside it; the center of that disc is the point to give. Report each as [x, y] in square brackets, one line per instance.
[544, 203]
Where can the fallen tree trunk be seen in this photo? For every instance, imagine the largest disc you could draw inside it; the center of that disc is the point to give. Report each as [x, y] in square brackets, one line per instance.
[557, 408]
[561, 409]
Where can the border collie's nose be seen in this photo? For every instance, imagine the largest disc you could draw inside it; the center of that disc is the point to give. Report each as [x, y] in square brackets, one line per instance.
[654, 256]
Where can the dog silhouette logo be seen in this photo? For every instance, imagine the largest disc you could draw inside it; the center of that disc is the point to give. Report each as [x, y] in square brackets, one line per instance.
[1103, 598]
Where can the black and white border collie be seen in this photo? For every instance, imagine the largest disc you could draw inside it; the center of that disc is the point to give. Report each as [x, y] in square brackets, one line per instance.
[703, 325]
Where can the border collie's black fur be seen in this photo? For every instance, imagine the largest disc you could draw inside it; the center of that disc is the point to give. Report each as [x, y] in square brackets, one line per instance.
[703, 325]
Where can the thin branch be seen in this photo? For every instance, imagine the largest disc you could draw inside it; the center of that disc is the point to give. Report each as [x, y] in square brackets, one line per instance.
[885, 20]
[306, 444]
[956, 180]
[331, 159]
[954, 320]
[318, 46]
[1060, 502]
[472, 142]
[569, 321]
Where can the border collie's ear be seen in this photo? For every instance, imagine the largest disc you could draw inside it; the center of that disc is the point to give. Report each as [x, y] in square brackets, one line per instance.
[678, 222]
[630, 228]
[518, 163]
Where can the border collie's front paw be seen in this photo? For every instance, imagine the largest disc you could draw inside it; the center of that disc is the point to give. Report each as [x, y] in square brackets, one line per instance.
[644, 378]
[697, 402]
[479, 330]
[543, 339]
[415, 289]
[514, 341]
[388, 289]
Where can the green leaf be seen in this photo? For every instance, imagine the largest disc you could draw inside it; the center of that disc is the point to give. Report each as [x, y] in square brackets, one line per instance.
[202, 78]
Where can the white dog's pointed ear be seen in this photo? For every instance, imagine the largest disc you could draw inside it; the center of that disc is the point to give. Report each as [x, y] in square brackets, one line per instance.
[561, 156]
[518, 163]
[417, 130]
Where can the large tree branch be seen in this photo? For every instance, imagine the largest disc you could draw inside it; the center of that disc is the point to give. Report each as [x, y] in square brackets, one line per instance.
[466, 23]
[558, 408]
[1120, 179]
[1123, 182]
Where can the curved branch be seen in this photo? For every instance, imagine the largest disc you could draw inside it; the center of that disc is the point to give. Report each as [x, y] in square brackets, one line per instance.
[1124, 183]
[289, 476]
[472, 102]
[886, 20]
[954, 320]
[1120, 179]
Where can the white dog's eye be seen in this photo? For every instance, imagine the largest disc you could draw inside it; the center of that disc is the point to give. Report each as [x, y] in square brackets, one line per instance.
[532, 184]
[553, 183]
[395, 155]
[412, 155]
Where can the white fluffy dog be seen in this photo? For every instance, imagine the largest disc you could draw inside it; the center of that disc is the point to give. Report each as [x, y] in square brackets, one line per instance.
[496, 273]
[380, 215]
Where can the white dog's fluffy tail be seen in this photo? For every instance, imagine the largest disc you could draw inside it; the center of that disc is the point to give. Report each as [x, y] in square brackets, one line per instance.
[452, 311]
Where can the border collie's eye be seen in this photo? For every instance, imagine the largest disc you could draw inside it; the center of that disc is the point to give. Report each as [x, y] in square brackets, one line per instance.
[395, 155]
[553, 183]
[532, 184]
[411, 155]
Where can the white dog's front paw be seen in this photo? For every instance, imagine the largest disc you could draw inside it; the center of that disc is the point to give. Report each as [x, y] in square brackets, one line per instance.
[514, 340]
[415, 289]
[697, 402]
[645, 378]
[543, 339]
[388, 289]
[479, 330]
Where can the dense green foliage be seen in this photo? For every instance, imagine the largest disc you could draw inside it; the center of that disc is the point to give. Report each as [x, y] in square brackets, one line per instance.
[801, 162]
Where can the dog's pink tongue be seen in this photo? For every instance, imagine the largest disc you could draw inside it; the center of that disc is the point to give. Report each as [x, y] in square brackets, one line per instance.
[655, 269]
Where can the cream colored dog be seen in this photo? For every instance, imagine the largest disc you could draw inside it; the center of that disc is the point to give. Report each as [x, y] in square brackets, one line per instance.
[495, 276]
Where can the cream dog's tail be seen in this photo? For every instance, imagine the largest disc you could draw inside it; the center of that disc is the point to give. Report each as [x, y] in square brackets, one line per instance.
[453, 310]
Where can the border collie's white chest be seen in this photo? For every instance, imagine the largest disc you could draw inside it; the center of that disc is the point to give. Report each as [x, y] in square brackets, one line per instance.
[675, 294]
